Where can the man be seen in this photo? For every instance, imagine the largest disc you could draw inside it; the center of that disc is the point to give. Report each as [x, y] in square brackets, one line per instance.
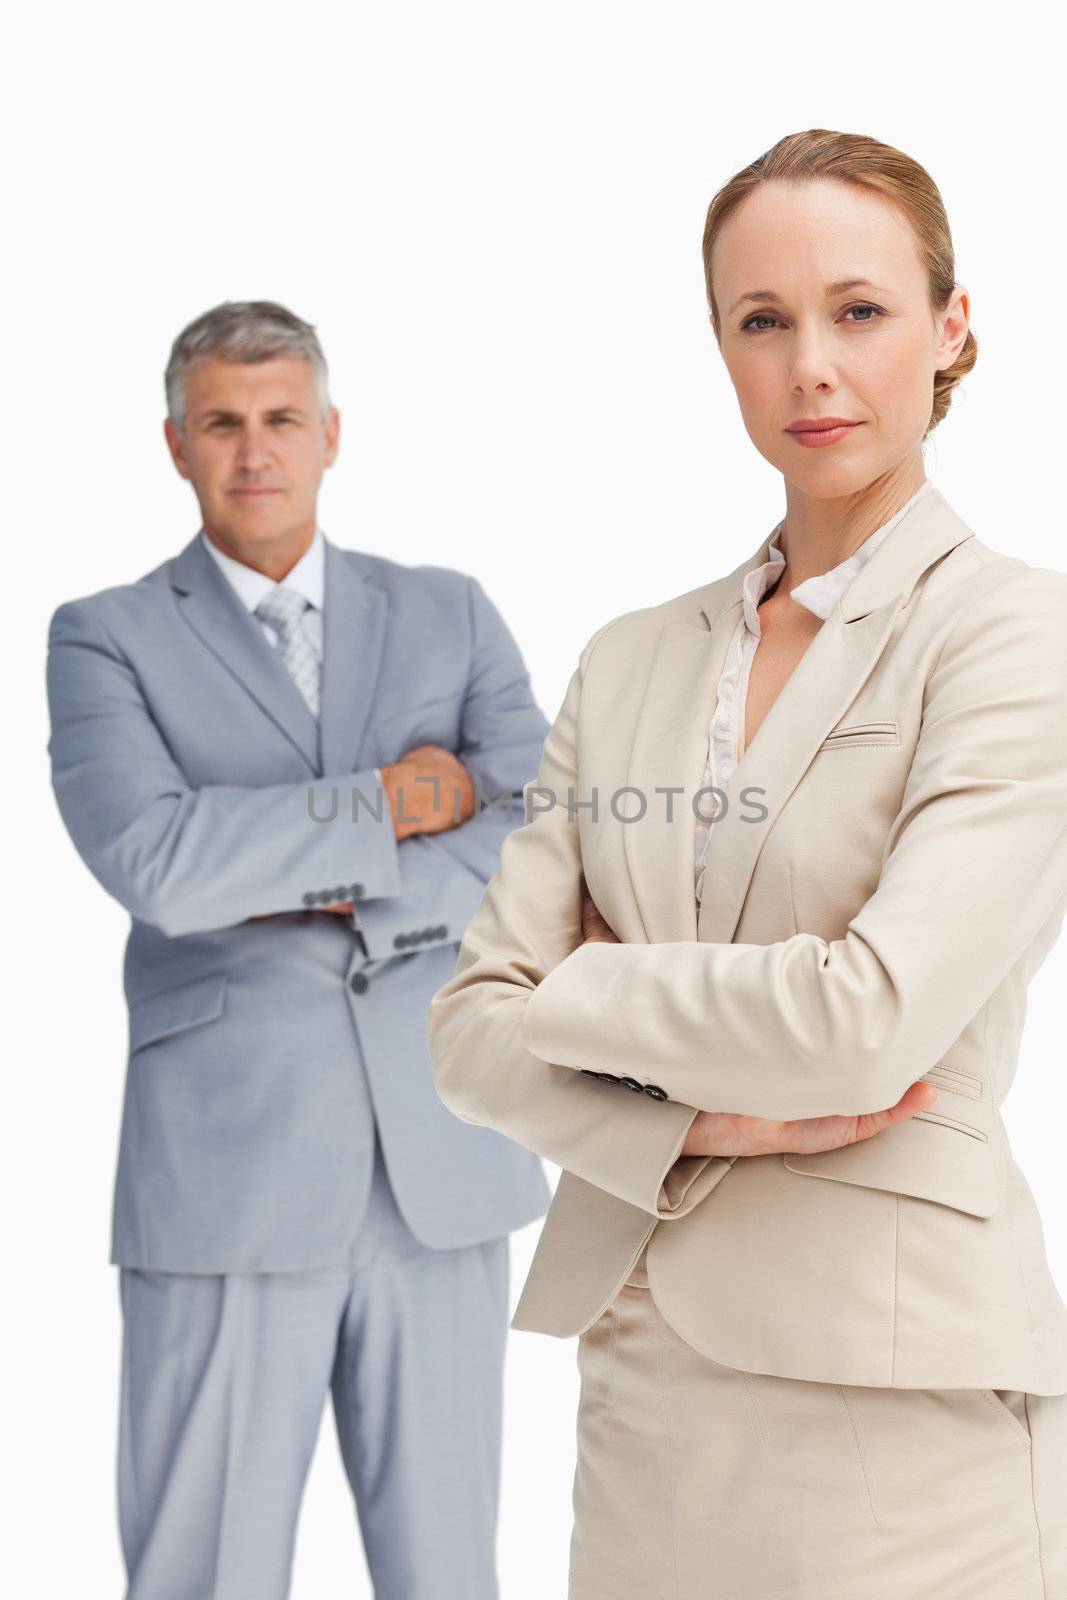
[295, 765]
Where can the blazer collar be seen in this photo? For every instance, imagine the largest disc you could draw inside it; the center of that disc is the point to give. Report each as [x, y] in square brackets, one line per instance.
[354, 616]
[671, 739]
[926, 532]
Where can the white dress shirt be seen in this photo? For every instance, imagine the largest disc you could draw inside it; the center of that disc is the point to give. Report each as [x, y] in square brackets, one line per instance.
[307, 577]
[726, 732]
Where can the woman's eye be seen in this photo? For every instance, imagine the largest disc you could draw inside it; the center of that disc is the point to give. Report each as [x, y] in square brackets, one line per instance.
[748, 326]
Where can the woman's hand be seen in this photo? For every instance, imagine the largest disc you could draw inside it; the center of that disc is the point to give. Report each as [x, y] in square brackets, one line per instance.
[594, 928]
[725, 1133]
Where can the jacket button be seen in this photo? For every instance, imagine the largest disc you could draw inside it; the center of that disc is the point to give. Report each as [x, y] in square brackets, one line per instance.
[325, 896]
[401, 942]
[632, 1083]
[310, 898]
[609, 1077]
[356, 892]
[654, 1091]
[359, 982]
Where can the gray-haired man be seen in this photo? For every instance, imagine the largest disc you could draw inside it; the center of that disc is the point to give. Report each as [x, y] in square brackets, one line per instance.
[277, 754]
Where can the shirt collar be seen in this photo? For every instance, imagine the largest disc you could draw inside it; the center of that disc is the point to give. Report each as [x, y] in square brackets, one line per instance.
[819, 593]
[307, 577]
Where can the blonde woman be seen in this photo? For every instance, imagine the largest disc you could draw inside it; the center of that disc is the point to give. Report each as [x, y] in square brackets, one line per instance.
[754, 975]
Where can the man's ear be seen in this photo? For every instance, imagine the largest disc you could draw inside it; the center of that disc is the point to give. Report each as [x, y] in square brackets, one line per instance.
[332, 428]
[176, 446]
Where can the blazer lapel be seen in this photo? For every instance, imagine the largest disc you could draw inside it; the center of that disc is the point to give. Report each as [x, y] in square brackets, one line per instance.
[213, 611]
[671, 741]
[353, 642]
[820, 689]
[669, 750]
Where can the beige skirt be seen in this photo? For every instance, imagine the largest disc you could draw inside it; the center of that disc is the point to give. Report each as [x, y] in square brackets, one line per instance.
[696, 1481]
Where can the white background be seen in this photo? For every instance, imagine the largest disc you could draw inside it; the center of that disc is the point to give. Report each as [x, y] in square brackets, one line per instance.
[493, 215]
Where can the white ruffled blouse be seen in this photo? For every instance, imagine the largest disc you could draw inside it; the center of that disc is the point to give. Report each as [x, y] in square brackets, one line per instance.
[726, 731]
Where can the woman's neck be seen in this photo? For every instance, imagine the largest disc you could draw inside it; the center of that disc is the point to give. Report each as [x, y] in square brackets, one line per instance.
[817, 535]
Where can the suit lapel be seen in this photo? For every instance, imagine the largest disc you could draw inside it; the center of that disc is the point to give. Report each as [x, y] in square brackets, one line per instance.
[825, 681]
[671, 740]
[669, 751]
[213, 611]
[354, 637]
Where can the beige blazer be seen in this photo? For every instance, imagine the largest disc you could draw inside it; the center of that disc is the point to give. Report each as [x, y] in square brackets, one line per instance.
[889, 873]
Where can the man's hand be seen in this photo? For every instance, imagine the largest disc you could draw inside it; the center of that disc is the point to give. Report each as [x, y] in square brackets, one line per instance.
[722, 1133]
[423, 807]
[442, 798]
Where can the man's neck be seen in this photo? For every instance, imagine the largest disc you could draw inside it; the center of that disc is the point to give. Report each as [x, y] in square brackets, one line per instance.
[274, 561]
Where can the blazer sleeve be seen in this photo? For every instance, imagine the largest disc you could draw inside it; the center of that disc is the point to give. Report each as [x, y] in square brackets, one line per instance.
[185, 859]
[502, 729]
[529, 920]
[974, 869]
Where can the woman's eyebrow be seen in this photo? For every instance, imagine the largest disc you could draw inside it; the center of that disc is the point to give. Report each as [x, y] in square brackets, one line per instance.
[831, 289]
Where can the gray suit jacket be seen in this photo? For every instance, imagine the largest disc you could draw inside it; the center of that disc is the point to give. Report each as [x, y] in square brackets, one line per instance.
[198, 788]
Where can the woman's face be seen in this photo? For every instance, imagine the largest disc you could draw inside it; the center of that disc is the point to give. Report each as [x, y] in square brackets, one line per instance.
[802, 341]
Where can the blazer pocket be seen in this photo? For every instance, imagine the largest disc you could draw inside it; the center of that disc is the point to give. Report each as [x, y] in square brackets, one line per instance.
[968, 1084]
[930, 1157]
[862, 733]
[169, 1011]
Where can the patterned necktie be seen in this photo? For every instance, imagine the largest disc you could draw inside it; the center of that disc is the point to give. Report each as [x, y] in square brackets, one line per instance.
[284, 610]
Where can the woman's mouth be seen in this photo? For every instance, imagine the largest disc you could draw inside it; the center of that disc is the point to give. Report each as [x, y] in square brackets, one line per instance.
[814, 434]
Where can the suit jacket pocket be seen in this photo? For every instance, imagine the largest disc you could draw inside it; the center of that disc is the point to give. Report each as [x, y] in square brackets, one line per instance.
[939, 1160]
[167, 1011]
[862, 733]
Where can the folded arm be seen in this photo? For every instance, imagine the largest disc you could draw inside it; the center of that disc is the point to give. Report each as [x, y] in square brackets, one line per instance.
[528, 922]
[975, 866]
[502, 728]
[190, 860]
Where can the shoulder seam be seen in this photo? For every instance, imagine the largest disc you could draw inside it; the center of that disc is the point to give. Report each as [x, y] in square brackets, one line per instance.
[590, 647]
[989, 589]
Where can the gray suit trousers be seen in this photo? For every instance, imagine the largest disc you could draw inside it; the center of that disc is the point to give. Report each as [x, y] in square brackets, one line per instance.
[224, 1379]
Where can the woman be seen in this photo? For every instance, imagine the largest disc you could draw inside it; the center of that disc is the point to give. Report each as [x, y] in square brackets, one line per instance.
[784, 1027]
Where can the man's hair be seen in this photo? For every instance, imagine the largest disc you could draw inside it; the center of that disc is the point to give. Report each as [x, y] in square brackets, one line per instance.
[242, 330]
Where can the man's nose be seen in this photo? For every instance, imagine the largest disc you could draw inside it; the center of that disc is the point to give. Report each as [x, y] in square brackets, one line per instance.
[252, 450]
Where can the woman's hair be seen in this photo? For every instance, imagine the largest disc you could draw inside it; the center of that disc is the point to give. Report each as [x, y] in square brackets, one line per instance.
[855, 159]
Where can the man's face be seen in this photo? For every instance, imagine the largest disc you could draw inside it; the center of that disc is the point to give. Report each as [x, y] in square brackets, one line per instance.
[254, 445]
